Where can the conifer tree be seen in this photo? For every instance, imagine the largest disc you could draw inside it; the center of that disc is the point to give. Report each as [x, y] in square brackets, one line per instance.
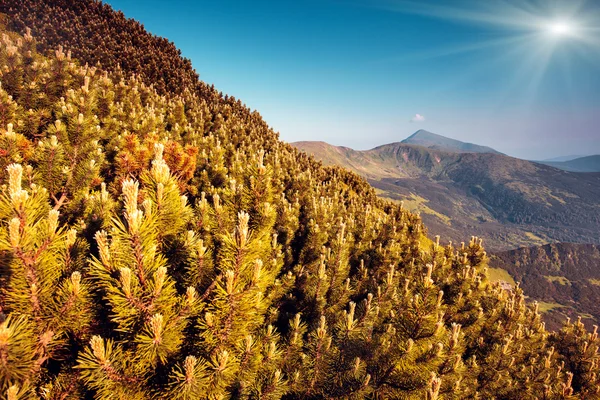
[47, 304]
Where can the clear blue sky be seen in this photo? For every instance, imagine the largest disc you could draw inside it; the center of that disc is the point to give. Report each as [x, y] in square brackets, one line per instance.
[522, 77]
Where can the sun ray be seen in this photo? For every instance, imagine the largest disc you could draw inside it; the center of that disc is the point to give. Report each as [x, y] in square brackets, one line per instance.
[566, 65]
[539, 63]
[501, 13]
[455, 50]
[534, 32]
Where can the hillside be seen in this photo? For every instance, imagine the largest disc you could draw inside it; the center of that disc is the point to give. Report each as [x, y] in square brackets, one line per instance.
[437, 142]
[581, 164]
[510, 202]
[564, 276]
[160, 242]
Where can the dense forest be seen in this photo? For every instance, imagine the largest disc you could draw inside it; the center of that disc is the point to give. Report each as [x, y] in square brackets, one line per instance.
[157, 240]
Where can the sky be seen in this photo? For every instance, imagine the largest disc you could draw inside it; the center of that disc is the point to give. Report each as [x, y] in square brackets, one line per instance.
[520, 76]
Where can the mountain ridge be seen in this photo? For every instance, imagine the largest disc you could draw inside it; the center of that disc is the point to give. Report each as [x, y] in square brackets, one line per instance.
[562, 158]
[580, 164]
[438, 142]
[509, 201]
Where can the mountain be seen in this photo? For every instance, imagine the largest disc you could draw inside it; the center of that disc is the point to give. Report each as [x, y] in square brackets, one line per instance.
[581, 164]
[564, 277]
[562, 158]
[438, 142]
[509, 202]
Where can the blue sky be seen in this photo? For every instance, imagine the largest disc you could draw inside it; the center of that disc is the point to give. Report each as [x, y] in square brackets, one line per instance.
[522, 77]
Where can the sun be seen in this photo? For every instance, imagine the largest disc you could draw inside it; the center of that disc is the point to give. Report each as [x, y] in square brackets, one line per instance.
[560, 28]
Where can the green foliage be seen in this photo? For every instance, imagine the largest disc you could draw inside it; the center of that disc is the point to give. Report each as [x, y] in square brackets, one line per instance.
[167, 245]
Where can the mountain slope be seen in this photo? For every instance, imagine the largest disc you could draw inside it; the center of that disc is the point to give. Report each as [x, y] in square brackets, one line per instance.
[564, 276]
[438, 142]
[562, 158]
[581, 164]
[510, 202]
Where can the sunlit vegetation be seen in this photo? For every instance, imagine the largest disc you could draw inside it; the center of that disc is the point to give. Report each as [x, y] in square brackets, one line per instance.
[500, 275]
[559, 279]
[157, 240]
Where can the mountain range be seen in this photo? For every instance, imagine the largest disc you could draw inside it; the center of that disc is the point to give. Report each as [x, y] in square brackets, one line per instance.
[157, 240]
[580, 164]
[510, 202]
[137, 207]
[563, 158]
[541, 223]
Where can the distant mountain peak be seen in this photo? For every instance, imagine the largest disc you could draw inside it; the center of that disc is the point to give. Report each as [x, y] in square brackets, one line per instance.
[438, 142]
[423, 132]
[563, 158]
[581, 164]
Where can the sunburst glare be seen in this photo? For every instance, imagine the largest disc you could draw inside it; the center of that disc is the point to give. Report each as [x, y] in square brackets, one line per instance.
[560, 28]
[529, 35]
